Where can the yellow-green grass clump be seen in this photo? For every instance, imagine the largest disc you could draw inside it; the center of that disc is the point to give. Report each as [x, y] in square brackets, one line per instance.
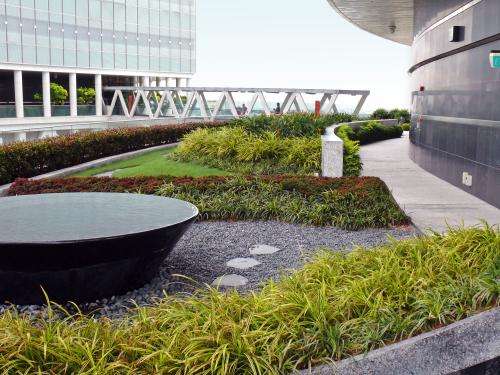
[336, 306]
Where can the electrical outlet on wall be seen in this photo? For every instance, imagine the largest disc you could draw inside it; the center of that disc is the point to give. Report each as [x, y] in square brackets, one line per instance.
[466, 179]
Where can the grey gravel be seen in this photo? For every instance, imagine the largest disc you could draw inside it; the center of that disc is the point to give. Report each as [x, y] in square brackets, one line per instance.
[206, 248]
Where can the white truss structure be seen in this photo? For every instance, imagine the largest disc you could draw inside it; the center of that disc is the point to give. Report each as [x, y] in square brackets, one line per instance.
[167, 101]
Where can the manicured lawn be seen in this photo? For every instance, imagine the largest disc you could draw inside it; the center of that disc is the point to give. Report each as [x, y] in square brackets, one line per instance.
[154, 163]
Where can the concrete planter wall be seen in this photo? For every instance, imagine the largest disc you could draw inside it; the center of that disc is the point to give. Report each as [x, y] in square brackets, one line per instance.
[468, 347]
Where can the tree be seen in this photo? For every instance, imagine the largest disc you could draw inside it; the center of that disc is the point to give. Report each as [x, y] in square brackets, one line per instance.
[380, 114]
[85, 95]
[58, 95]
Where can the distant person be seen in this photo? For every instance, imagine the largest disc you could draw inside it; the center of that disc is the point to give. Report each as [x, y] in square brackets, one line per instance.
[277, 110]
[244, 110]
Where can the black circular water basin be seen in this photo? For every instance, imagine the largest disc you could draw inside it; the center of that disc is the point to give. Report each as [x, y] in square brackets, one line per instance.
[85, 246]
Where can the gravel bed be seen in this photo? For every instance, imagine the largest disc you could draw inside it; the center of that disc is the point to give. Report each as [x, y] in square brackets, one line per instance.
[202, 254]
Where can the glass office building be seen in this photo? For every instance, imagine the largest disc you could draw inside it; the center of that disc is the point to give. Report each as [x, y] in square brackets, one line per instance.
[455, 129]
[146, 42]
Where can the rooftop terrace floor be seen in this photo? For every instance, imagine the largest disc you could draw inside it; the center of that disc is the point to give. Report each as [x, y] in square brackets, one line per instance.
[431, 202]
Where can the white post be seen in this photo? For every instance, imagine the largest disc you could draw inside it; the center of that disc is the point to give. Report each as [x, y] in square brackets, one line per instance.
[145, 82]
[72, 95]
[98, 95]
[18, 90]
[46, 94]
[20, 137]
[137, 81]
[178, 82]
[332, 154]
[162, 82]
[188, 82]
[153, 81]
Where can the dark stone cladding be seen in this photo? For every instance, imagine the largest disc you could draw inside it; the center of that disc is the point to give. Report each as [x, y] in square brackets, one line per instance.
[456, 119]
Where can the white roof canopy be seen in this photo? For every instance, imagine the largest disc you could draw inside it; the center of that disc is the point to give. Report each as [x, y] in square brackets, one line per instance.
[390, 19]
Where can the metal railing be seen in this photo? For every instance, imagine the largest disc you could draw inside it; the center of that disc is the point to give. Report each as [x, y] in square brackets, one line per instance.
[156, 102]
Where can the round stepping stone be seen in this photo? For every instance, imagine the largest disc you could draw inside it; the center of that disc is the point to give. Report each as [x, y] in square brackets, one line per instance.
[242, 263]
[263, 250]
[230, 281]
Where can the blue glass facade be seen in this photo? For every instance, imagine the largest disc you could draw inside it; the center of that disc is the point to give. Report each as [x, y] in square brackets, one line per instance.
[150, 36]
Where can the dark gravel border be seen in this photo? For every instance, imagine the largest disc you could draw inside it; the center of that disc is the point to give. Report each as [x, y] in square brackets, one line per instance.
[202, 254]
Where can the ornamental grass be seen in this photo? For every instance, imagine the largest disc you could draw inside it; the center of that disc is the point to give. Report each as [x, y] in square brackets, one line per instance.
[349, 202]
[338, 305]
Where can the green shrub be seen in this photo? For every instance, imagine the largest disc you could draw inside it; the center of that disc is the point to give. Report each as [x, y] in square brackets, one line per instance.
[58, 95]
[400, 114]
[292, 125]
[350, 203]
[85, 95]
[396, 114]
[337, 306]
[352, 159]
[374, 132]
[28, 159]
[380, 114]
[406, 127]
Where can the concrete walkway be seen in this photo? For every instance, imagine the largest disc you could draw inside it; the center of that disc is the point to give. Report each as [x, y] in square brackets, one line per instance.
[430, 201]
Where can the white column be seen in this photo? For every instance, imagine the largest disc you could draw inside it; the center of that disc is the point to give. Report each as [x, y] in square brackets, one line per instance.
[145, 82]
[18, 90]
[171, 82]
[137, 81]
[98, 95]
[188, 82]
[20, 137]
[178, 82]
[162, 82]
[46, 94]
[72, 95]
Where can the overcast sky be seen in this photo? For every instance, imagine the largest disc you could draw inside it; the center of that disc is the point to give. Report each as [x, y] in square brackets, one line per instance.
[296, 43]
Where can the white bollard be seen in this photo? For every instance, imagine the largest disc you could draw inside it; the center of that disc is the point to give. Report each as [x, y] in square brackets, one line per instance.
[332, 154]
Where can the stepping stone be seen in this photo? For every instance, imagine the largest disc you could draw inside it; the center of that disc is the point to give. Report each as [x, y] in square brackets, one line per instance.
[263, 250]
[230, 281]
[242, 263]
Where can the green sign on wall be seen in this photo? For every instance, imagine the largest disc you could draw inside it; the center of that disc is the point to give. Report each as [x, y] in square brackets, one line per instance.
[495, 59]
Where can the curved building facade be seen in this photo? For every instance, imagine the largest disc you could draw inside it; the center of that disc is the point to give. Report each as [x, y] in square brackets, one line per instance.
[73, 42]
[455, 130]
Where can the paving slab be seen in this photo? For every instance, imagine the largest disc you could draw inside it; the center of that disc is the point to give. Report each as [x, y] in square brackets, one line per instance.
[243, 263]
[263, 250]
[431, 202]
[232, 281]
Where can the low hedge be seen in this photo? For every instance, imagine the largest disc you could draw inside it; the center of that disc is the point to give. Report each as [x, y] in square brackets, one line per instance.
[337, 306]
[28, 159]
[352, 164]
[347, 202]
[374, 131]
[292, 125]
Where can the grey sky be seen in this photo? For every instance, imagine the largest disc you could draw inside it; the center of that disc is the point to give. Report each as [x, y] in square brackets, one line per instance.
[296, 43]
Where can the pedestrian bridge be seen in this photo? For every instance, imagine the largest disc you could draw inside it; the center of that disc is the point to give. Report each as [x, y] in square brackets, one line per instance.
[186, 102]
[130, 106]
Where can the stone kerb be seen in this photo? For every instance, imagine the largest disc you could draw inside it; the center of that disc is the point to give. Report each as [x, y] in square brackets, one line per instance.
[460, 346]
[332, 147]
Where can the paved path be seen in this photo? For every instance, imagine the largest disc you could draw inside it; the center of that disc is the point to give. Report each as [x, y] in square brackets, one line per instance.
[430, 201]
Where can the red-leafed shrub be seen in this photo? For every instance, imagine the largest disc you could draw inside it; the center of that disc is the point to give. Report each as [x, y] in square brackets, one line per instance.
[347, 202]
[28, 159]
[306, 185]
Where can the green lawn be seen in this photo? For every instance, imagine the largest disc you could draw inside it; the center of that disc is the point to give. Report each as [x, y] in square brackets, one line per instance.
[153, 163]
